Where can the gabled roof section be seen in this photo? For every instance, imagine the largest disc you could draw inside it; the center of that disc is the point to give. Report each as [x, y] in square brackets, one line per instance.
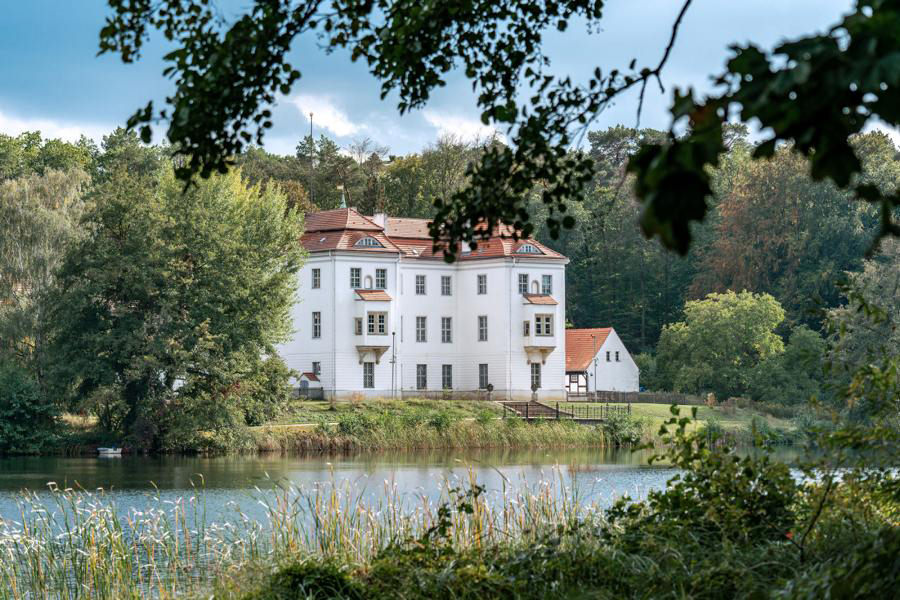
[374, 295]
[545, 299]
[338, 219]
[310, 375]
[582, 345]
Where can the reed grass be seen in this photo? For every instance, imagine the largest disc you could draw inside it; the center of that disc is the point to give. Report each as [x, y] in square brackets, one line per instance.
[413, 430]
[72, 543]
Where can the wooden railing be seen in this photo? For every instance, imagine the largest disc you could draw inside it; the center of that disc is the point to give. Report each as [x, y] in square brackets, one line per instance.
[634, 397]
[537, 410]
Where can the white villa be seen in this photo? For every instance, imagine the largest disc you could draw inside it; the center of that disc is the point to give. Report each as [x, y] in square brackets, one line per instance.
[597, 360]
[380, 314]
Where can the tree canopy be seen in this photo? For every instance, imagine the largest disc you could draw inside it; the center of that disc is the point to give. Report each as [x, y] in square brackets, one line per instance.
[815, 92]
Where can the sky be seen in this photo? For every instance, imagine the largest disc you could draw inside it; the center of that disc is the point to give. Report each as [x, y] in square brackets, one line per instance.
[52, 80]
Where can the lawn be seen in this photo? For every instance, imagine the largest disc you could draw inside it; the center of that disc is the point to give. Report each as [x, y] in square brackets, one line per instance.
[655, 415]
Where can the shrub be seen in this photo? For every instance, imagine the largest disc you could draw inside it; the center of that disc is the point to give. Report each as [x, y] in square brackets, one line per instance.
[622, 429]
[27, 417]
[441, 420]
[485, 417]
[356, 424]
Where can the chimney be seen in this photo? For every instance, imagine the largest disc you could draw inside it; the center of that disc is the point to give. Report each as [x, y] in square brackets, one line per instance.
[380, 219]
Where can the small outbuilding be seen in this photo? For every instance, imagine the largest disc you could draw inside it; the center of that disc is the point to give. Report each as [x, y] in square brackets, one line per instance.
[597, 360]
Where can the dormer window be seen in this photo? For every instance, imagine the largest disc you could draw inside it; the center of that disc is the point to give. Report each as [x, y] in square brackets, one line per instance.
[528, 249]
[369, 242]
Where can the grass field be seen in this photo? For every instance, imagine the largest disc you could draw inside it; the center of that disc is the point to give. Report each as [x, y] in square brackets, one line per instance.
[655, 415]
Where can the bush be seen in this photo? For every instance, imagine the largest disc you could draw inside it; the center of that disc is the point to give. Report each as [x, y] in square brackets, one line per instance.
[622, 429]
[28, 421]
[441, 420]
[356, 424]
[267, 391]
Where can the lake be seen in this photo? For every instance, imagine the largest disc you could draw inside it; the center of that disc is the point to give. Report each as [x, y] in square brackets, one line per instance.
[228, 482]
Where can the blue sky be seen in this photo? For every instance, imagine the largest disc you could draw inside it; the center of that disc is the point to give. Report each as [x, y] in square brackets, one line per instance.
[52, 80]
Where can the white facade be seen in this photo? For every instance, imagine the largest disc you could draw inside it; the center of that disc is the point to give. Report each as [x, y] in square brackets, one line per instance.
[372, 340]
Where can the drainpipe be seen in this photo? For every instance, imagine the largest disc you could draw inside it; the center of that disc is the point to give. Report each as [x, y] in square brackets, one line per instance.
[509, 338]
[333, 326]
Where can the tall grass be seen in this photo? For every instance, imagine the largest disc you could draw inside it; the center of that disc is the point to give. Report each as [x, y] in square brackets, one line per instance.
[424, 429]
[72, 543]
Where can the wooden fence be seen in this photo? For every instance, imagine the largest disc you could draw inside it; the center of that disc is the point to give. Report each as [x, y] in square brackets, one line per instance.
[634, 397]
[538, 410]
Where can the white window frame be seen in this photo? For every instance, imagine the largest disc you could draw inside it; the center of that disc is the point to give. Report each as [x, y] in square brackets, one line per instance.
[421, 329]
[547, 285]
[421, 377]
[536, 375]
[446, 285]
[523, 283]
[357, 326]
[446, 377]
[317, 368]
[526, 328]
[482, 284]
[420, 285]
[482, 328]
[368, 375]
[617, 356]
[376, 323]
[316, 278]
[543, 325]
[483, 378]
[380, 279]
[316, 324]
[446, 330]
[355, 278]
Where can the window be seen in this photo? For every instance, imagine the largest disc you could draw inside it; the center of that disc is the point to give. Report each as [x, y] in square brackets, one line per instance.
[482, 328]
[526, 328]
[369, 242]
[617, 356]
[421, 323]
[368, 375]
[420, 285]
[377, 323]
[380, 279]
[357, 325]
[482, 284]
[317, 324]
[607, 356]
[523, 283]
[316, 278]
[421, 377]
[447, 377]
[355, 278]
[543, 325]
[447, 330]
[482, 376]
[528, 249]
[445, 286]
[317, 368]
[547, 284]
[573, 378]
[535, 375]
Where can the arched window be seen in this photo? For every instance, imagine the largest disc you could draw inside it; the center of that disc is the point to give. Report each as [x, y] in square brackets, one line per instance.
[369, 242]
[368, 282]
[528, 249]
[535, 287]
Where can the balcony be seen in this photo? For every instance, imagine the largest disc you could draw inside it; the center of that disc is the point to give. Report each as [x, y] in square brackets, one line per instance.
[538, 347]
[371, 346]
[538, 309]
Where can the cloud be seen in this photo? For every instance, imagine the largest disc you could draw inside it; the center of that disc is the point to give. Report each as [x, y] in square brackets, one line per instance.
[326, 114]
[52, 129]
[876, 124]
[464, 127]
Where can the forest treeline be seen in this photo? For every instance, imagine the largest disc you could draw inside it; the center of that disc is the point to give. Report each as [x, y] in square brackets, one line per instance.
[156, 310]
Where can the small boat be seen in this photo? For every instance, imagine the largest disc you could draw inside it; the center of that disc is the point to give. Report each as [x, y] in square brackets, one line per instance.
[109, 451]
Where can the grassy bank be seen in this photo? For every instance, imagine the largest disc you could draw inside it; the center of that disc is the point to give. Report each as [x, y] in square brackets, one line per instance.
[420, 425]
[314, 427]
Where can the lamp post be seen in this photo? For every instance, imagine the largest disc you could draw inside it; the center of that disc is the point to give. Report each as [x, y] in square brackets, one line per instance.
[393, 362]
[594, 341]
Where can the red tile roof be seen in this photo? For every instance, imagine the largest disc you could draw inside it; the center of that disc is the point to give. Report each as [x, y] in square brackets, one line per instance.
[581, 347]
[377, 295]
[341, 229]
[311, 376]
[539, 299]
[336, 220]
